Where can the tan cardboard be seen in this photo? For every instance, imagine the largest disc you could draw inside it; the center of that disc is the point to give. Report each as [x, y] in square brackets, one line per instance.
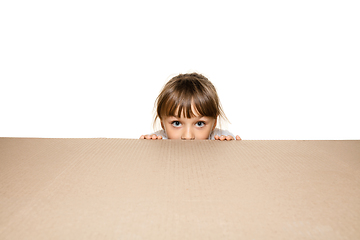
[171, 189]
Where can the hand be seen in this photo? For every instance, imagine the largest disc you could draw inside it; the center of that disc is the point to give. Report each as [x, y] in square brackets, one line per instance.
[150, 137]
[227, 138]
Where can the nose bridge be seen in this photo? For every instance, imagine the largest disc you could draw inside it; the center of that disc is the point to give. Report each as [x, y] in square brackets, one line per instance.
[187, 133]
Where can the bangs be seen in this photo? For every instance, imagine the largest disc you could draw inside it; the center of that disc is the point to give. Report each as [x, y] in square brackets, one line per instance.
[188, 104]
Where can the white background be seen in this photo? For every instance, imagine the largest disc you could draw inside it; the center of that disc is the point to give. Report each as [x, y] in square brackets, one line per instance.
[283, 69]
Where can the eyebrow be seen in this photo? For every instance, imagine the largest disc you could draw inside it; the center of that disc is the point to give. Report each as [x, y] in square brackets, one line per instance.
[198, 117]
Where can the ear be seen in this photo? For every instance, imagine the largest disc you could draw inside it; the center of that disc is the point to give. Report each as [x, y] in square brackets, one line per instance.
[214, 124]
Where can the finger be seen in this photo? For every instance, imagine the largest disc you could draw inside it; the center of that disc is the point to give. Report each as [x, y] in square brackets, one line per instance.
[222, 138]
[147, 137]
[229, 138]
[153, 136]
[238, 137]
[142, 137]
[159, 137]
[216, 137]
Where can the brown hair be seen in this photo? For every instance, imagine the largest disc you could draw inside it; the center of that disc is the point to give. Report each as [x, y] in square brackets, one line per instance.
[183, 90]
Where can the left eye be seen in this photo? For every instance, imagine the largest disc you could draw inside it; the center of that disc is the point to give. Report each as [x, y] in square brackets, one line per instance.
[200, 124]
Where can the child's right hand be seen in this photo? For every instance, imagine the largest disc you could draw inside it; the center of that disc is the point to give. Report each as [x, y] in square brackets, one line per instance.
[151, 137]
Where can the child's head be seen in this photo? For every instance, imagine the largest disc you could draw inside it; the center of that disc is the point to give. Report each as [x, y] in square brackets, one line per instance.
[188, 107]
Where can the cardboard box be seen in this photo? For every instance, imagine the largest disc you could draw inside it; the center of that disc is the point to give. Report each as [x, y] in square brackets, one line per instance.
[171, 189]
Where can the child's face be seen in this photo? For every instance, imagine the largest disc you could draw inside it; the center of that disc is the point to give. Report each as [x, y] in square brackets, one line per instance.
[198, 127]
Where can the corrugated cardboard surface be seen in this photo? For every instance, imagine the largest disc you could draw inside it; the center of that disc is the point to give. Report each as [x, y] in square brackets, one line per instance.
[167, 189]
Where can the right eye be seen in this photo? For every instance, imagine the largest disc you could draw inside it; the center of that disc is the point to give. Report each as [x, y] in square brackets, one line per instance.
[176, 123]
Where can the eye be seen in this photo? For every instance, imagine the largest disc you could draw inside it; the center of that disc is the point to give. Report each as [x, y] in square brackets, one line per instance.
[176, 123]
[200, 124]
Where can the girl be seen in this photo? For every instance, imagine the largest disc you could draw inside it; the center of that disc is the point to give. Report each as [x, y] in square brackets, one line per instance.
[188, 108]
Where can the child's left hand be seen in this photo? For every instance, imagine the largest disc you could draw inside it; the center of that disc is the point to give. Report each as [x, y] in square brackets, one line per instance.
[227, 138]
